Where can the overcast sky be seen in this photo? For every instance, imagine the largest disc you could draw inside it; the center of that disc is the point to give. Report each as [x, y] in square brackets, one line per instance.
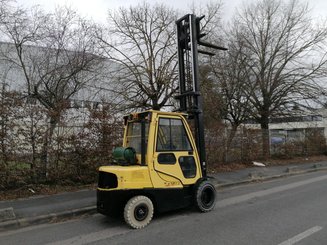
[97, 9]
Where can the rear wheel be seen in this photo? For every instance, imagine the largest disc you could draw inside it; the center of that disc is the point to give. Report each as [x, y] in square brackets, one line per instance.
[138, 212]
[205, 196]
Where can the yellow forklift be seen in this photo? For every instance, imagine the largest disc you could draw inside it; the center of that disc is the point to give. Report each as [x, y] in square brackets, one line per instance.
[161, 166]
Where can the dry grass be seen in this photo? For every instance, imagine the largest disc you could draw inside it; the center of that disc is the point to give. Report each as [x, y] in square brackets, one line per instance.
[229, 167]
[40, 190]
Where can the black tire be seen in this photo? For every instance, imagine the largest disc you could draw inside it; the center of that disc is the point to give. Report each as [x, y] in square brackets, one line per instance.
[205, 196]
[138, 212]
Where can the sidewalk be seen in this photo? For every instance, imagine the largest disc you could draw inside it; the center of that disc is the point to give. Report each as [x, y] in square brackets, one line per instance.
[45, 209]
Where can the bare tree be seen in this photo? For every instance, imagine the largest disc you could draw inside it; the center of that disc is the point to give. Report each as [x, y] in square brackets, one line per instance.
[230, 74]
[142, 41]
[55, 53]
[4, 7]
[212, 97]
[8, 110]
[285, 55]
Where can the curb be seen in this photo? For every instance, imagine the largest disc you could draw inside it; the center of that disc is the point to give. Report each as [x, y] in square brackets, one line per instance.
[7, 214]
[47, 218]
[266, 178]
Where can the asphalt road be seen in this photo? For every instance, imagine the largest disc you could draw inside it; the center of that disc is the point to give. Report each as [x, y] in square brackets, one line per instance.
[279, 212]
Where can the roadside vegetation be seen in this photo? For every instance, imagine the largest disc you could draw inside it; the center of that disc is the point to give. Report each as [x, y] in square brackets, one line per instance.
[275, 67]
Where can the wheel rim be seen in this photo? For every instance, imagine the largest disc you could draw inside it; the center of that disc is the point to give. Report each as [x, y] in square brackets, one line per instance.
[141, 212]
[207, 197]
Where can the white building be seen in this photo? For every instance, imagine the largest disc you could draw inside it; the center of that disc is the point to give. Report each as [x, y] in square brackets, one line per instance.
[296, 128]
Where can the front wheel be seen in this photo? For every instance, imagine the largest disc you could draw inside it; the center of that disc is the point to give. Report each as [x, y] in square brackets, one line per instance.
[138, 212]
[205, 196]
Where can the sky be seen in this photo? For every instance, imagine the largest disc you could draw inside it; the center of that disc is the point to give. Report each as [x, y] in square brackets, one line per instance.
[97, 9]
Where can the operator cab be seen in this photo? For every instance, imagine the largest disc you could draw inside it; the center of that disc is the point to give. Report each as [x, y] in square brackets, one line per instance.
[170, 137]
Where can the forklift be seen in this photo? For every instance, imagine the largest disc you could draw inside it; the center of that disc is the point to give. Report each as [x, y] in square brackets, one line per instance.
[161, 166]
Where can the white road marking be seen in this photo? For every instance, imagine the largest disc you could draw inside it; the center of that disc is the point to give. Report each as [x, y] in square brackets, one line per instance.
[301, 236]
[249, 196]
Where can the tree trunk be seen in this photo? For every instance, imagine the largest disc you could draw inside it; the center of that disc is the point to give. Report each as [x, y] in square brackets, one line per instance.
[33, 143]
[230, 138]
[264, 123]
[47, 144]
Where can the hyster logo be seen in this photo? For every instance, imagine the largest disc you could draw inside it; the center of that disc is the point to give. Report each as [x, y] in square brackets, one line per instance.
[171, 183]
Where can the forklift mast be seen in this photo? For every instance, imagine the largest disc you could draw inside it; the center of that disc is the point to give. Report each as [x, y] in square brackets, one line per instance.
[190, 100]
